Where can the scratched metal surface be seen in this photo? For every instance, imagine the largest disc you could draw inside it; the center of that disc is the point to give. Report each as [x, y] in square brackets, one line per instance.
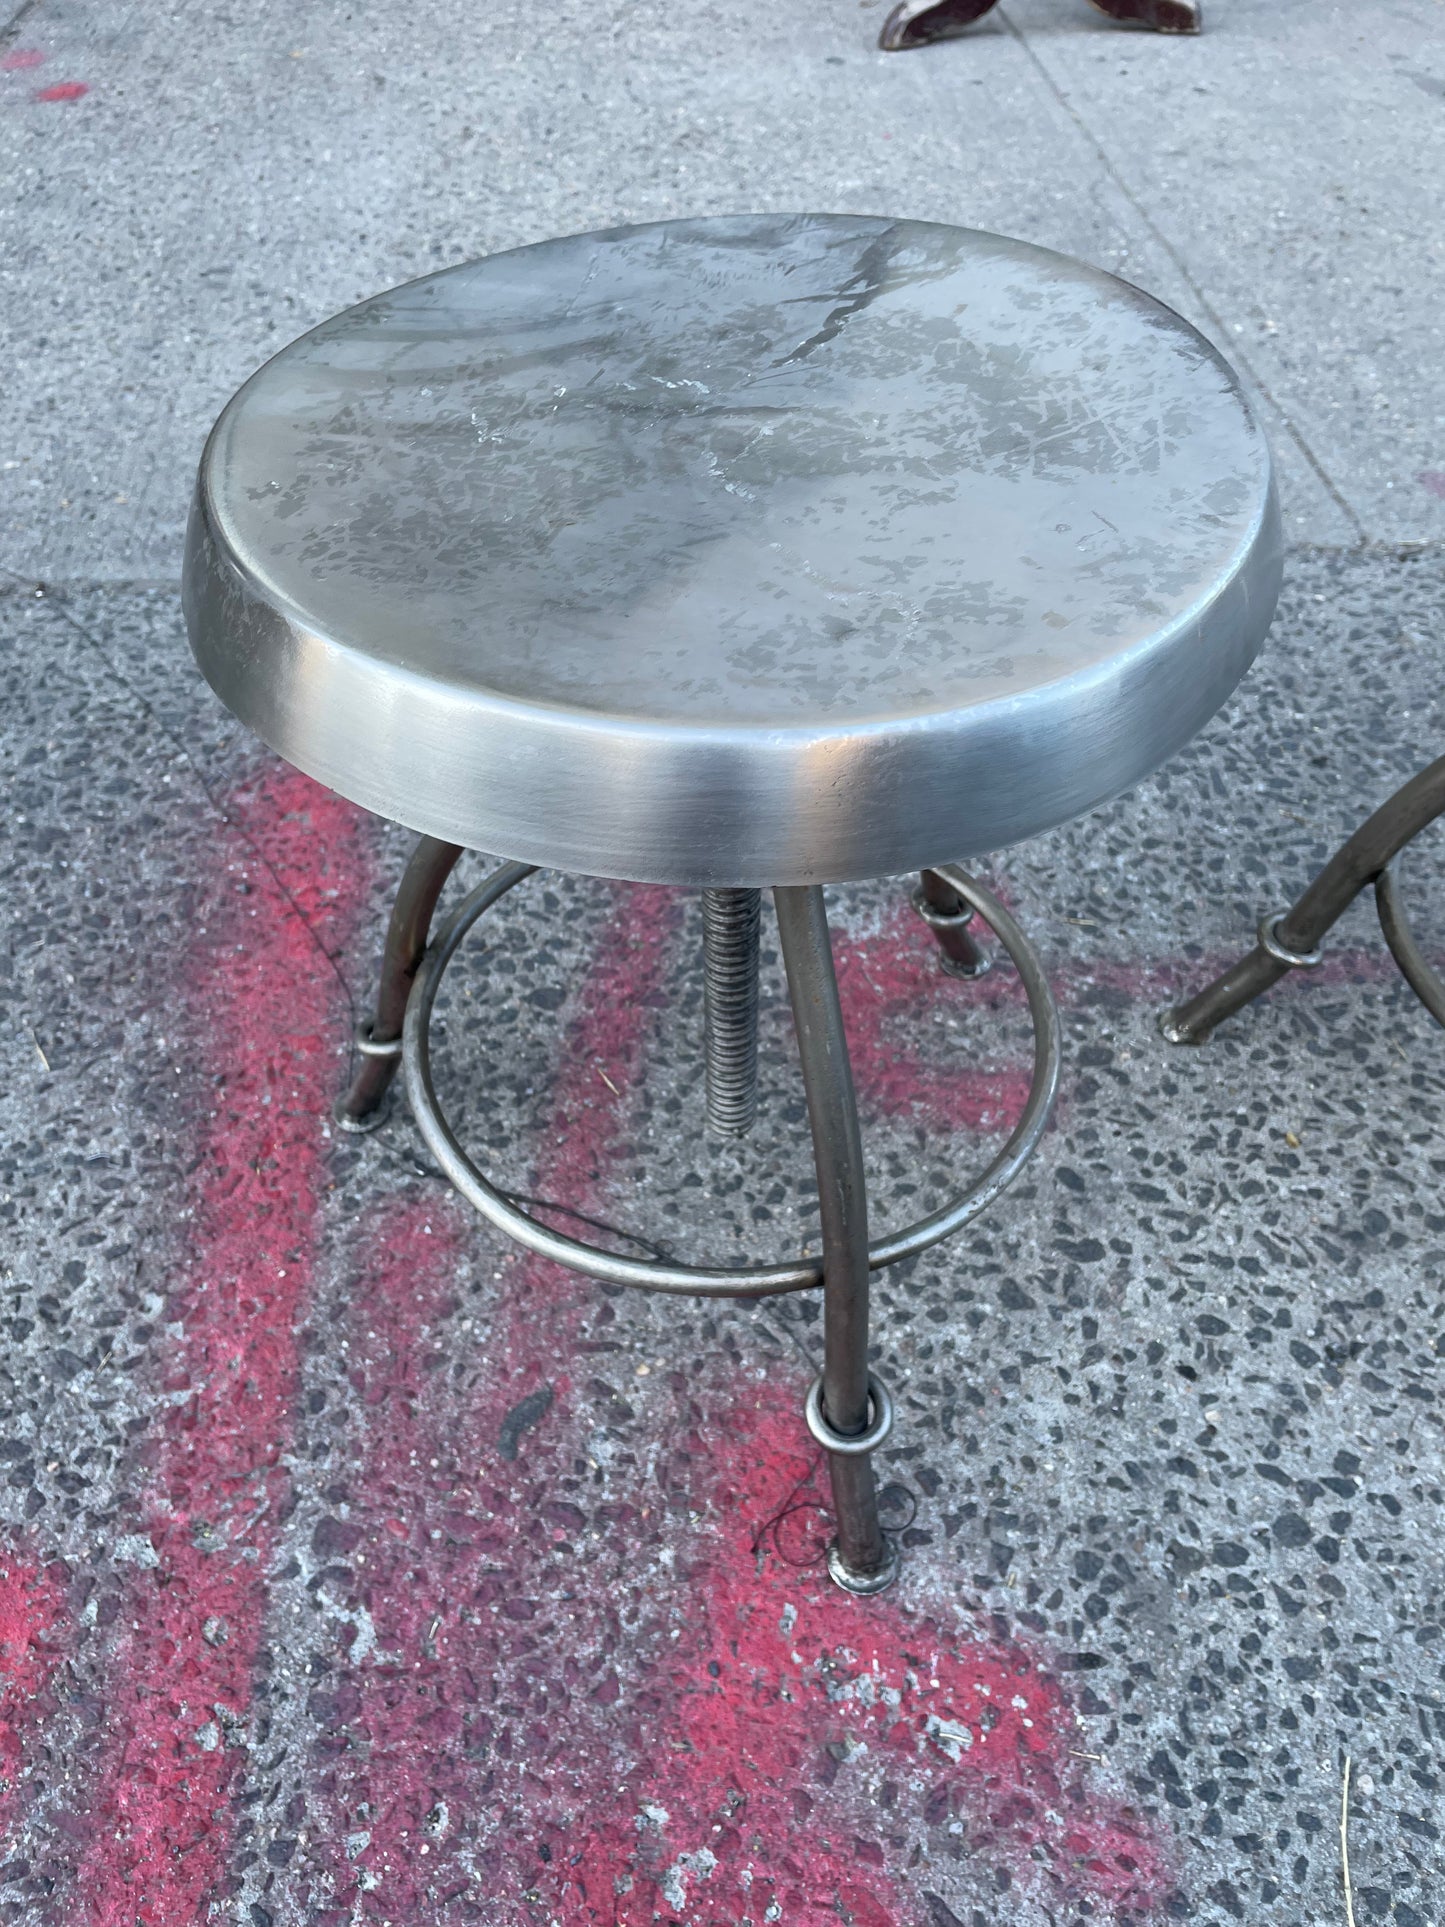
[755, 549]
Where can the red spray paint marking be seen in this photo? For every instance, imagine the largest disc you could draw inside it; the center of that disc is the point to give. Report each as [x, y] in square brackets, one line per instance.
[453, 1613]
[397, 1720]
[34, 1634]
[216, 1482]
[1433, 479]
[63, 90]
[21, 60]
[889, 983]
[529, 1727]
[810, 1736]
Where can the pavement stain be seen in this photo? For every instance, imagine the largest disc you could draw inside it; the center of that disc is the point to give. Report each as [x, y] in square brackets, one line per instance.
[213, 1486]
[446, 1572]
[557, 1714]
[884, 981]
[393, 1730]
[35, 1635]
[815, 1739]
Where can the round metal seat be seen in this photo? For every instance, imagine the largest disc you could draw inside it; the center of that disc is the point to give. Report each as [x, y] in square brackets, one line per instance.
[752, 552]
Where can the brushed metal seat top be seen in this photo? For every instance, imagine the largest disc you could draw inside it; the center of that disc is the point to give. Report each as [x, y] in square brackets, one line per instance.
[759, 549]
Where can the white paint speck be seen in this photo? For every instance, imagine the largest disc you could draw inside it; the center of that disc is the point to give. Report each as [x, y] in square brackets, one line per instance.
[952, 1737]
[134, 1549]
[697, 1865]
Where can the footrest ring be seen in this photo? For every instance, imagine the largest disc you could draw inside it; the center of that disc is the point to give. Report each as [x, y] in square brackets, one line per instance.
[706, 1281]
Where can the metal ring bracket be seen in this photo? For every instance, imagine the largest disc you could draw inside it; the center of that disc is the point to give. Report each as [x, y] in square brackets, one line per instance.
[937, 919]
[1293, 959]
[958, 949]
[741, 1281]
[370, 1046]
[364, 1123]
[851, 1444]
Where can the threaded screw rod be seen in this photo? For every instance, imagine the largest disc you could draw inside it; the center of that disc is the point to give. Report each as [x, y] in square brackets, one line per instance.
[730, 931]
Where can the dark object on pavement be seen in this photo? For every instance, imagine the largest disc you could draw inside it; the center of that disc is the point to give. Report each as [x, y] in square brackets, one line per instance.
[916, 23]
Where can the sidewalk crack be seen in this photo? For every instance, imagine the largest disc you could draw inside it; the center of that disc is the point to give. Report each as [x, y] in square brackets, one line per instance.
[1296, 434]
[16, 21]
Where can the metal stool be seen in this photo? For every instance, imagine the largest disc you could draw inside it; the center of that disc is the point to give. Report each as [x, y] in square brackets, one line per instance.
[739, 554]
[1291, 939]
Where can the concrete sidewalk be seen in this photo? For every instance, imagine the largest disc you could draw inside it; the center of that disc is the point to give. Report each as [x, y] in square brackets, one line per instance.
[354, 1567]
[228, 180]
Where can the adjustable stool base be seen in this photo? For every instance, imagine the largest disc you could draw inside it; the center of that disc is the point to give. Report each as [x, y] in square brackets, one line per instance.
[848, 1411]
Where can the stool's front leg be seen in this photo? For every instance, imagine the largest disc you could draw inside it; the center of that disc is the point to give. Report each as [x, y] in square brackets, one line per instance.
[379, 1041]
[848, 1411]
[951, 920]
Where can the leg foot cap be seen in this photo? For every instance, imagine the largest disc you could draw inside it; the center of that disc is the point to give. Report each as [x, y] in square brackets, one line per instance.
[951, 967]
[863, 1583]
[1173, 1032]
[364, 1125]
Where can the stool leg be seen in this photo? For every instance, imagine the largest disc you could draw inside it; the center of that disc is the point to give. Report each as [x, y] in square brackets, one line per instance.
[950, 919]
[362, 1107]
[860, 1559]
[1291, 940]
